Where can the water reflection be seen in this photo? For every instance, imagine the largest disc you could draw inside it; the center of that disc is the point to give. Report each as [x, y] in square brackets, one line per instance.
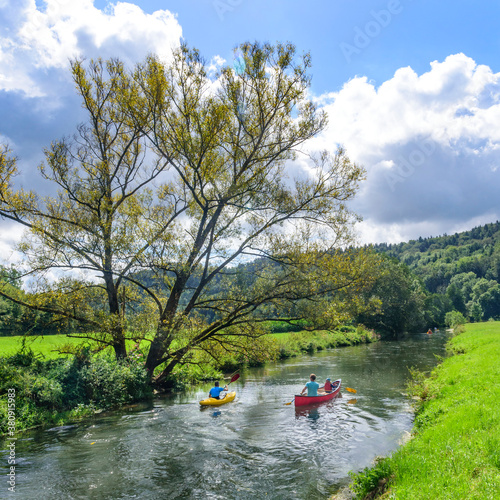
[312, 413]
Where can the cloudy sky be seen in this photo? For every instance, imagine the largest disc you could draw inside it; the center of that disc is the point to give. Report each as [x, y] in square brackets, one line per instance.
[412, 88]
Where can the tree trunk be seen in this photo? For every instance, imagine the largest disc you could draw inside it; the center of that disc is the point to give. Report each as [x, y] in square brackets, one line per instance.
[119, 345]
[154, 356]
[117, 333]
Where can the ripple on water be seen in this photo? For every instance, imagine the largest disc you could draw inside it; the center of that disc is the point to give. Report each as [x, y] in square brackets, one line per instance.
[255, 447]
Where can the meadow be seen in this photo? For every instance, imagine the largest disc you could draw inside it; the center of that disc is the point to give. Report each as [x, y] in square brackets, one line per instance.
[49, 345]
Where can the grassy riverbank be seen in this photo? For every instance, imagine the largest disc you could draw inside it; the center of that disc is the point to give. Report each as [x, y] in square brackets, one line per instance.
[455, 451]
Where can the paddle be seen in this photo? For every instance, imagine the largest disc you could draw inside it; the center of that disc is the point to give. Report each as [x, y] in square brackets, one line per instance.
[354, 391]
[233, 378]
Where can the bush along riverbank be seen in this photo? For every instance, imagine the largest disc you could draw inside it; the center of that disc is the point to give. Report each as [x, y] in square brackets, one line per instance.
[296, 343]
[55, 391]
[61, 390]
[285, 344]
[455, 450]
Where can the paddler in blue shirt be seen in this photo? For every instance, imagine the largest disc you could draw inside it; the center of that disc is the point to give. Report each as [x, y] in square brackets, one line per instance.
[311, 387]
[215, 391]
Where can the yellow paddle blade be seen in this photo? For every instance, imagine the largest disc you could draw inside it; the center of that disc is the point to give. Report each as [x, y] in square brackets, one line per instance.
[354, 391]
[286, 404]
[352, 401]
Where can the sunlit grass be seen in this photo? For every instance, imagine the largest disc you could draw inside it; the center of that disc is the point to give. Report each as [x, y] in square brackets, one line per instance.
[456, 449]
[47, 345]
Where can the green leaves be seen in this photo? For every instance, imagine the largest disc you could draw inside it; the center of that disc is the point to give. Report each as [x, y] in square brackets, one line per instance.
[177, 179]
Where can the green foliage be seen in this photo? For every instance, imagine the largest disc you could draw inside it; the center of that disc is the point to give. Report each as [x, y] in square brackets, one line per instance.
[59, 389]
[306, 342]
[402, 300]
[463, 269]
[454, 318]
[372, 480]
[14, 318]
[108, 383]
[285, 327]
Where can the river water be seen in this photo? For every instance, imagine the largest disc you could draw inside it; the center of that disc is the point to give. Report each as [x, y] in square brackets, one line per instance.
[253, 448]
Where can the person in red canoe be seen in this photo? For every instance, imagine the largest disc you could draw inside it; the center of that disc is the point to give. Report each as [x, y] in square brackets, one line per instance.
[311, 387]
[215, 391]
[328, 387]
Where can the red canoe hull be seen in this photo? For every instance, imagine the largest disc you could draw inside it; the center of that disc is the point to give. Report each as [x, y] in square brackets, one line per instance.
[311, 400]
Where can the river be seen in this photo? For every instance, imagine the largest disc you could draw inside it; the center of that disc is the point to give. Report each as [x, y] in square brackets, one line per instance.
[253, 448]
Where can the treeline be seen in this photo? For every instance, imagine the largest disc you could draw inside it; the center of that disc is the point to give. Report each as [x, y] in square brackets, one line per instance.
[415, 286]
[460, 272]
[16, 319]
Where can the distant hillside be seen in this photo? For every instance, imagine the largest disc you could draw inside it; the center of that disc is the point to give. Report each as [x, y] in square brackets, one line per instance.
[464, 266]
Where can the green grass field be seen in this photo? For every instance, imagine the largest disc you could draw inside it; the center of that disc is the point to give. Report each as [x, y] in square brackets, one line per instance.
[47, 345]
[456, 449]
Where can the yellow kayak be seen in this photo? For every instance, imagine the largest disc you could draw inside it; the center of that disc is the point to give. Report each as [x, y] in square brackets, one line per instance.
[217, 402]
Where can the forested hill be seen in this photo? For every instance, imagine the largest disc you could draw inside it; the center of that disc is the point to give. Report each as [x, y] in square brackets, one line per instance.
[464, 266]
[436, 260]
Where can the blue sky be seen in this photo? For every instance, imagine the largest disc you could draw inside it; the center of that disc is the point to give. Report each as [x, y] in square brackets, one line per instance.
[418, 32]
[412, 88]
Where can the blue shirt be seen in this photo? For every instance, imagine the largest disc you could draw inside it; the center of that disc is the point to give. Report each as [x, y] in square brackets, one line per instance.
[215, 392]
[312, 388]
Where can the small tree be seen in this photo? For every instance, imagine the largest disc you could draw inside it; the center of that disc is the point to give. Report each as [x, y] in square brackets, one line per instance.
[92, 224]
[402, 299]
[454, 319]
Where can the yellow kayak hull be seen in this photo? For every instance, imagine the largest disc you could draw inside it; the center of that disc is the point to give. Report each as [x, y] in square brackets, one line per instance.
[217, 402]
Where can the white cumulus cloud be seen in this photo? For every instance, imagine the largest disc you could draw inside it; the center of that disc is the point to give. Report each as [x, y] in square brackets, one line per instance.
[430, 144]
[37, 39]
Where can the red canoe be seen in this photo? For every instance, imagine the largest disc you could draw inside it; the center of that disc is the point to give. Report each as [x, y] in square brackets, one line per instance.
[310, 400]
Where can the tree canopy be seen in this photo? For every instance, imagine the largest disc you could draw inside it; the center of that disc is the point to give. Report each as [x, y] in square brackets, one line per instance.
[177, 178]
[461, 271]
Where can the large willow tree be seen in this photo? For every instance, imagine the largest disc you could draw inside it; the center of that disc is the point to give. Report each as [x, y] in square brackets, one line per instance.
[177, 180]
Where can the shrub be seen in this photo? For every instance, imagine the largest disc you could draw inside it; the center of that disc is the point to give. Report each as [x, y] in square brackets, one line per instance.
[110, 383]
[454, 318]
[372, 480]
[74, 386]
